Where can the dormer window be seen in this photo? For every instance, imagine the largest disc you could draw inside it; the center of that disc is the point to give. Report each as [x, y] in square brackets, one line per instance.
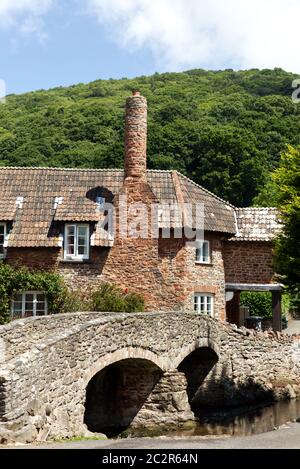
[203, 252]
[77, 242]
[3, 233]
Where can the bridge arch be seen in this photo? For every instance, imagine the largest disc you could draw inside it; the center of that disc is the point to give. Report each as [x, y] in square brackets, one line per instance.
[119, 389]
[198, 363]
[123, 354]
[200, 342]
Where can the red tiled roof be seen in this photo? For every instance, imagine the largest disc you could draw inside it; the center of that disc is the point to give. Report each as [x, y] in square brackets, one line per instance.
[35, 222]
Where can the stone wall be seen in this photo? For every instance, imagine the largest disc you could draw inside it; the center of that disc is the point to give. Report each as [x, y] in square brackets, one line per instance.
[34, 258]
[43, 388]
[164, 271]
[248, 262]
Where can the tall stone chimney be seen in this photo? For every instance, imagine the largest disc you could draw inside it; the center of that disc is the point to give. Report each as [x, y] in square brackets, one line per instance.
[136, 137]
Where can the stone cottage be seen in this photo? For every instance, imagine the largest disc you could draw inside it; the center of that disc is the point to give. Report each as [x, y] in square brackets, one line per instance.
[52, 218]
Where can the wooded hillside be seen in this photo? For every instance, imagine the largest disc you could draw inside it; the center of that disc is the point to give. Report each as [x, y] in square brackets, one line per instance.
[226, 129]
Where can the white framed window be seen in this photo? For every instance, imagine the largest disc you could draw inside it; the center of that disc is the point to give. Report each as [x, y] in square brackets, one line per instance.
[77, 242]
[26, 304]
[204, 303]
[3, 233]
[203, 252]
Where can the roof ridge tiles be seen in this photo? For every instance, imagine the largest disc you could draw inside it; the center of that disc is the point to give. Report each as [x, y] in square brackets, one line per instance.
[256, 208]
[59, 168]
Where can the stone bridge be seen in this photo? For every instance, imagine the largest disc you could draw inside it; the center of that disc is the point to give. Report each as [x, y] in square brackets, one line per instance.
[66, 375]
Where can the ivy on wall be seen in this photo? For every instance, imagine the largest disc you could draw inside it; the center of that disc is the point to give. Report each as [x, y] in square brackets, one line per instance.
[14, 280]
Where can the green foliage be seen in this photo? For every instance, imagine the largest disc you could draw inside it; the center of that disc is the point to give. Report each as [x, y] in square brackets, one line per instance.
[259, 303]
[109, 298]
[17, 280]
[287, 179]
[134, 303]
[224, 129]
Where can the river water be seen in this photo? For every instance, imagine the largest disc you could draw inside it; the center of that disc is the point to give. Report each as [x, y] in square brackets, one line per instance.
[232, 422]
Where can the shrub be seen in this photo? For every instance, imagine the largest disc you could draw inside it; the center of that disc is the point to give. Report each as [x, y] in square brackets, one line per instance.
[259, 303]
[134, 303]
[109, 298]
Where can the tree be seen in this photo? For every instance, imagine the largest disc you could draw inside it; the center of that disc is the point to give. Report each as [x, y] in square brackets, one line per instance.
[287, 179]
[224, 129]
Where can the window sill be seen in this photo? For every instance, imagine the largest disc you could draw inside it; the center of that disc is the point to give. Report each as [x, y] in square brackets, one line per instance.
[75, 261]
[204, 263]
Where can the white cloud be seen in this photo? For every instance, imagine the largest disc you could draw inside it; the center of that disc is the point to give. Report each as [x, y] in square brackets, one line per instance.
[206, 33]
[24, 15]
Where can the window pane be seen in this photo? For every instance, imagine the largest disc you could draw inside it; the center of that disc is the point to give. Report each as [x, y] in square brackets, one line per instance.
[2, 238]
[202, 252]
[205, 249]
[81, 240]
[82, 250]
[17, 307]
[82, 231]
[29, 297]
[71, 230]
[40, 304]
[18, 297]
[17, 310]
[40, 313]
[29, 306]
[28, 314]
[70, 249]
[70, 240]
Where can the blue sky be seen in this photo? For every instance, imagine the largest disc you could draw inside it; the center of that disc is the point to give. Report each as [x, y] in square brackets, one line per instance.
[75, 49]
[48, 43]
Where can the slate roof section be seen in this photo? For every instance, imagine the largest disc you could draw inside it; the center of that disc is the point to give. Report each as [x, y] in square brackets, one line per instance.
[257, 224]
[38, 222]
[218, 215]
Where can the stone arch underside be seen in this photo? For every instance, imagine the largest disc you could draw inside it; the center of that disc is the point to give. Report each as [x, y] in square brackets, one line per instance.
[117, 393]
[199, 369]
